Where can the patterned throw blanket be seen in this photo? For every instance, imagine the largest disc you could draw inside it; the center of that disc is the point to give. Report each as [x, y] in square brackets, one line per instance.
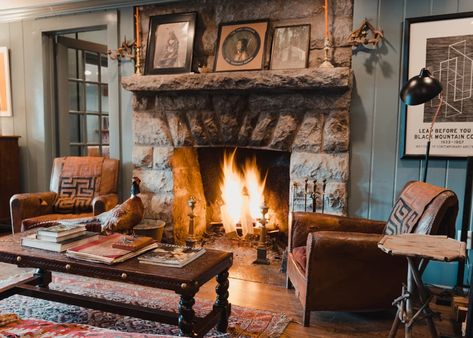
[410, 206]
[79, 183]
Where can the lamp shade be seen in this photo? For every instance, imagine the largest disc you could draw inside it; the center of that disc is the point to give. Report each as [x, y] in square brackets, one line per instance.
[420, 88]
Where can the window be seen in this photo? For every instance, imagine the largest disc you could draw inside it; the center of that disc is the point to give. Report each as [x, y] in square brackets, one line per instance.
[82, 78]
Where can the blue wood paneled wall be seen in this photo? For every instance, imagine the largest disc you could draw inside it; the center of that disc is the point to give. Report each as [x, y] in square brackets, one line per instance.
[377, 172]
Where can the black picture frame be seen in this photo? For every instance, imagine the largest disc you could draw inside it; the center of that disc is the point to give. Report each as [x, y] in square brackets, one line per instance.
[422, 34]
[258, 29]
[288, 64]
[163, 53]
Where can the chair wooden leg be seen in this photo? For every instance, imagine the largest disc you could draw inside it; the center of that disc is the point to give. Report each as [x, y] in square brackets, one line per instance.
[289, 283]
[306, 318]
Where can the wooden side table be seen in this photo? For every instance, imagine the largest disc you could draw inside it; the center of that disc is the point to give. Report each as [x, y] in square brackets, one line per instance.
[424, 247]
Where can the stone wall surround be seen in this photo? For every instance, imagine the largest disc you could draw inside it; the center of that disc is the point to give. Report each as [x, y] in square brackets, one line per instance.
[305, 112]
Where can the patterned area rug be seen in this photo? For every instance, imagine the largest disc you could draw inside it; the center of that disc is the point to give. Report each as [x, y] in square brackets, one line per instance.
[244, 322]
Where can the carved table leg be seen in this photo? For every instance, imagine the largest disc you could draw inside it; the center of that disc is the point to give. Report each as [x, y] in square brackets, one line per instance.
[43, 277]
[222, 300]
[186, 315]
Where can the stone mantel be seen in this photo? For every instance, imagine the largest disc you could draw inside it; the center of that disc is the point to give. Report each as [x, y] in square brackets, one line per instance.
[334, 79]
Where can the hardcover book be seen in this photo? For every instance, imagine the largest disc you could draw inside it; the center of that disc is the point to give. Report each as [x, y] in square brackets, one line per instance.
[102, 250]
[131, 243]
[61, 238]
[60, 230]
[33, 242]
[171, 255]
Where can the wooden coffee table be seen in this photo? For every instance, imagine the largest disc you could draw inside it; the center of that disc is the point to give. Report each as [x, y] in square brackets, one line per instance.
[184, 281]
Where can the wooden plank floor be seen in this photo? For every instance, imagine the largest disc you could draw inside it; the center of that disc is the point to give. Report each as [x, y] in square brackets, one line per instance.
[323, 324]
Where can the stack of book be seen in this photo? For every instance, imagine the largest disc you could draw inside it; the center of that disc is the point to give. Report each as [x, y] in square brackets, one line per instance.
[171, 255]
[112, 249]
[58, 238]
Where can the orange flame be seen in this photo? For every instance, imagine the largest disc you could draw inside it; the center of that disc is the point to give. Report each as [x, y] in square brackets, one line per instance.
[242, 194]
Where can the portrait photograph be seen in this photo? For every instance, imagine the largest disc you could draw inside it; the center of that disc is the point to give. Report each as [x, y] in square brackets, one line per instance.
[170, 44]
[443, 45]
[241, 46]
[5, 93]
[290, 47]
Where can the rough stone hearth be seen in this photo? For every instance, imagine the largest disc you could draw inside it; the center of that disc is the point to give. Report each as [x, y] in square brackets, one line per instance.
[301, 111]
[300, 79]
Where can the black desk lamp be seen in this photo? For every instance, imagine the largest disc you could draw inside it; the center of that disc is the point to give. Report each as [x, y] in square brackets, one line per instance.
[420, 89]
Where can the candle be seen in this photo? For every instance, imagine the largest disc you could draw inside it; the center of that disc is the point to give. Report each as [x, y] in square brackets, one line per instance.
[137, 30]
[326, 19]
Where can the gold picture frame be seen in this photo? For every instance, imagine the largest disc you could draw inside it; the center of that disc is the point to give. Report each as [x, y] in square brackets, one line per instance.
[241, 46]
[5, 90]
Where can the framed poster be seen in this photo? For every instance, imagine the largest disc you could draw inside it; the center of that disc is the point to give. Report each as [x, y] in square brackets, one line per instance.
[290, 47]
[5, 90]
[241, 46]
[170, 43]
[444, 45]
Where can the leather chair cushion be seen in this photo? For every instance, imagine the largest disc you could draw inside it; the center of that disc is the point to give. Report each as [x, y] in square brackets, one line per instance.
[300, 256]
[31, 223]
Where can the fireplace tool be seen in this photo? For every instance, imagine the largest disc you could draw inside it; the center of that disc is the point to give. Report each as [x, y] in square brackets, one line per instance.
[310, 196]
[191, 240]
[261, 250]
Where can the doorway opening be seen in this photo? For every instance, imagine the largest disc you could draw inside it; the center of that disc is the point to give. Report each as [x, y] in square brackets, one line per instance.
[81, 93]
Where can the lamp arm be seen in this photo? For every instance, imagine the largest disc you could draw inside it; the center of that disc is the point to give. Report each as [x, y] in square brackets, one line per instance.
[427, 151]
[435, 116]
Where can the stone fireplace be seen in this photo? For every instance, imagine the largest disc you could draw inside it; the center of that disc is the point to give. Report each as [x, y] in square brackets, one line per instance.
[302, 112]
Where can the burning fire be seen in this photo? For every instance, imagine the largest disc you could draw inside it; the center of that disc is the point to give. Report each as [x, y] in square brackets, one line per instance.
[242, 194]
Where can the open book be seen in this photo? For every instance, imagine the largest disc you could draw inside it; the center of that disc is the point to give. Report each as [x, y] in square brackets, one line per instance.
[171, 255]
[102, 250]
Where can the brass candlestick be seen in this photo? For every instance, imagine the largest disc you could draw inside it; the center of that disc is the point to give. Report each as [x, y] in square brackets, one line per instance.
[327, 47]
[191, 240]
[261, 251]
[138, 64]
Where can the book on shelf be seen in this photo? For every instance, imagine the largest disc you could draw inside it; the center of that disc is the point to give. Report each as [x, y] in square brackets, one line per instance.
[102, 251]
[60, 230]
[171, 255]
[32, 241]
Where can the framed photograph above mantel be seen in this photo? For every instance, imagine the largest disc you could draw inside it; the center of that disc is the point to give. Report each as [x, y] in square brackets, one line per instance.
[241, 46]
[290, 47]
[170, 44]
[444, 45]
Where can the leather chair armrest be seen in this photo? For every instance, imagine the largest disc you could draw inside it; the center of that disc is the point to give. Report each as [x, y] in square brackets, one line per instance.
[104, 203]
[323, 245]
[29, 205]
[303, 223]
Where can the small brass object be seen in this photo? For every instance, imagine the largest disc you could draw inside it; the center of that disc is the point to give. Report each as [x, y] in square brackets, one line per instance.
[68, 266]
[124, 276]
[18, 258]
[184, 286]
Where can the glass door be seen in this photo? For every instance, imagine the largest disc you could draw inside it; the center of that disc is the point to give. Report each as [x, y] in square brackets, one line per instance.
[82, 95]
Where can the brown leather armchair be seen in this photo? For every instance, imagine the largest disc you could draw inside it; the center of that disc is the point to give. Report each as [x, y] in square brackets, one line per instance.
[71, 179]
[334, 263]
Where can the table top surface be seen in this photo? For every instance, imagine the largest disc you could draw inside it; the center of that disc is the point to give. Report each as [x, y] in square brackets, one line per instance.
[196, 272]
[440, 248]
